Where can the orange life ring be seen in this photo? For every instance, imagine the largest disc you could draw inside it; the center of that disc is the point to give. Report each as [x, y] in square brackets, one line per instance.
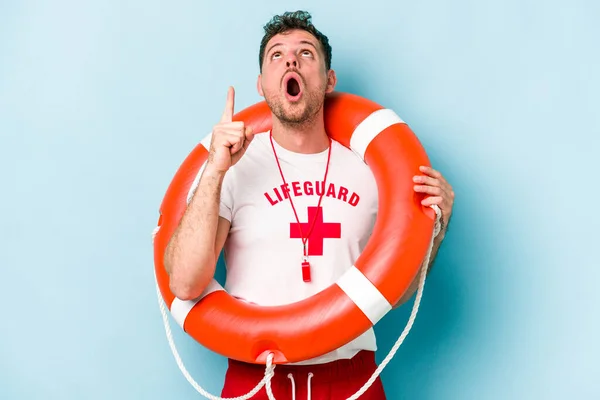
[360, 298]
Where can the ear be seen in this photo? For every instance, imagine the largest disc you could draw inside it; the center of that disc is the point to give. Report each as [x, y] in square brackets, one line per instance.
[331, 81]
[259, 86]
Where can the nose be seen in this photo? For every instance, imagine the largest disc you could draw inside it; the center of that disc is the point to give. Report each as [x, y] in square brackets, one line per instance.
[291, 59]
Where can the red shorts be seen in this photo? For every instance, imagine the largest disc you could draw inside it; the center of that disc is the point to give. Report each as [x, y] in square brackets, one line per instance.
[335, 380]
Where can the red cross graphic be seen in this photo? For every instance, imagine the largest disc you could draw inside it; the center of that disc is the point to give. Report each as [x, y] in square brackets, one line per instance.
[321, 230]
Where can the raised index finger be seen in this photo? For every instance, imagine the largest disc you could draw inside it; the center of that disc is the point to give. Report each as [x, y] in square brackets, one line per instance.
[229, 104]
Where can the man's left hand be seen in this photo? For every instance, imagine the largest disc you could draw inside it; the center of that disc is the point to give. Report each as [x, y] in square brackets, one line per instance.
[439, 190]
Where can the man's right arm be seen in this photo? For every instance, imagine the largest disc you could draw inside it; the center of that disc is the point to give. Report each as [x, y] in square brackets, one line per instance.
[192, 253]
[193, 250]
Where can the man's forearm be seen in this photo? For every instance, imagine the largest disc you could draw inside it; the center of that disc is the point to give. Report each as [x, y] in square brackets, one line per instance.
[190, 257]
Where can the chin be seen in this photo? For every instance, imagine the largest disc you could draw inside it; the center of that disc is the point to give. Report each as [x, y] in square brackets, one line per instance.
[293, 113]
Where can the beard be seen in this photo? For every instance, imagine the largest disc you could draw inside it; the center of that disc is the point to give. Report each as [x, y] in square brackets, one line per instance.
[299, 113]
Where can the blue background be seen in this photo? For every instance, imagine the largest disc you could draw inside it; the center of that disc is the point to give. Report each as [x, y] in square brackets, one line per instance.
[100, 101]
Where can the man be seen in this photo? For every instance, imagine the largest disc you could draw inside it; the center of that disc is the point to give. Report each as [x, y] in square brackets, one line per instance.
[239, 206]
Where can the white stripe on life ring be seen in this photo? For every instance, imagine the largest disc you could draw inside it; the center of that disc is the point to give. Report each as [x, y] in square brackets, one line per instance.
[181, 308]
[364, 294]
[370, 127]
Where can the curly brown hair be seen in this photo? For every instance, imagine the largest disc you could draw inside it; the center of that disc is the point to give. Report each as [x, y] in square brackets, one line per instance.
[293, 20]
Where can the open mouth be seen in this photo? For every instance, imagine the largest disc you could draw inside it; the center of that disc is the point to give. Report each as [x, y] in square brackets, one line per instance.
[293, 89]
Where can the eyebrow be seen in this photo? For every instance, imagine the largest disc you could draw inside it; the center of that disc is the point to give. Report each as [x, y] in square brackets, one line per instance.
[302, 42]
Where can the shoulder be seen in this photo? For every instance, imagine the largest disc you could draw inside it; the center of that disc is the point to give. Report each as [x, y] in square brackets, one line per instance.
[259, 146]
[346, 155]
[256, 151]
[253, 160]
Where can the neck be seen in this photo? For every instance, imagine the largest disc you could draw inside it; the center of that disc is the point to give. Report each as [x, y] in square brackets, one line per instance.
[307, 137]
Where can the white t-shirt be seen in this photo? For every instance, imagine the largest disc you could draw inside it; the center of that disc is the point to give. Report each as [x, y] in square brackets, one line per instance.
[263, 252]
